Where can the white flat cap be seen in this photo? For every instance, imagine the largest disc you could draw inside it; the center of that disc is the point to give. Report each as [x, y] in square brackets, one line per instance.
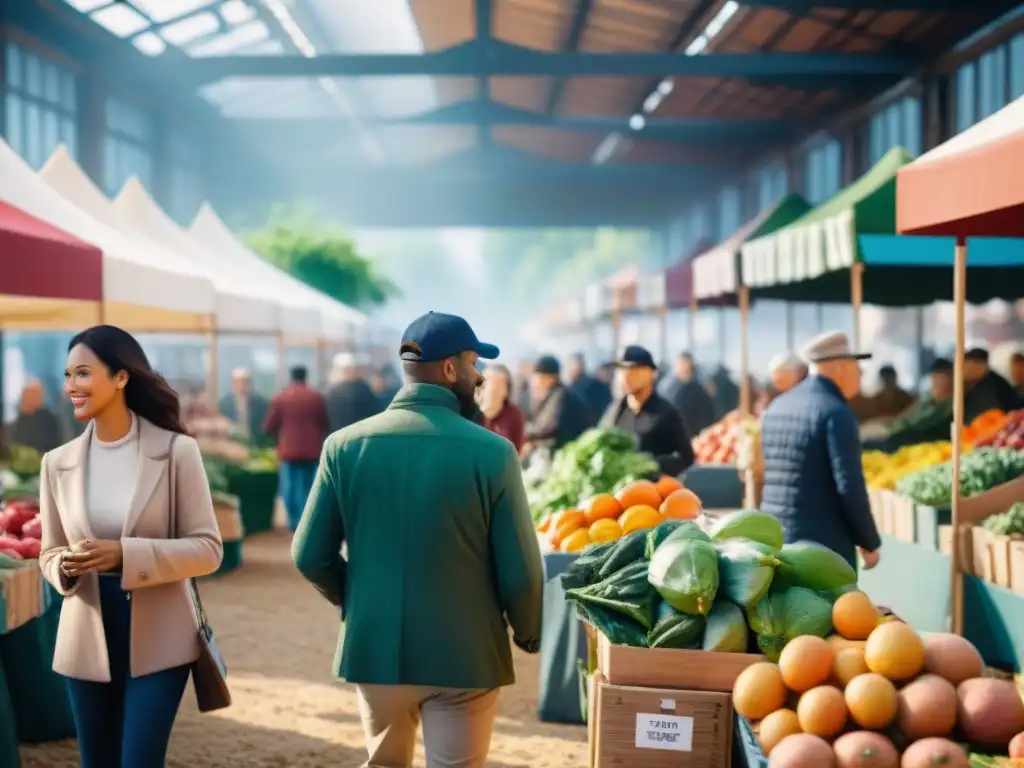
[786, 361]
[832, 345]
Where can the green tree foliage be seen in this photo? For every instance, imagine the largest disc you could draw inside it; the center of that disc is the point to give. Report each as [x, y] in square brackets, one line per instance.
[321, 255]
[548, 265]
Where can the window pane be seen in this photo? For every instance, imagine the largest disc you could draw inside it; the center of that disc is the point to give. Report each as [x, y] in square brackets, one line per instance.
[110, 148]
[13, 66]
[33, 77]
[1017, 66]
[51, 82]
[15, 131]
[68, 96]
[876, 139]
[68, 137]
[912, 126]
[51, 134]
[33, 136]
[965, 97]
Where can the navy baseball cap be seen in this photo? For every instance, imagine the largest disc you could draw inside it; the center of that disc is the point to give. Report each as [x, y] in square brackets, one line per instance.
[635, 356]
[436, 336]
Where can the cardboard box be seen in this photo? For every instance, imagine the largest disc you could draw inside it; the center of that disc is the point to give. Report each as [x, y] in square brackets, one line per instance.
[663, 728]
[671, 668]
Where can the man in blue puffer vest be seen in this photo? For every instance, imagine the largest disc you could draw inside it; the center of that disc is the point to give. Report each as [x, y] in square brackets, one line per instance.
[813, 479]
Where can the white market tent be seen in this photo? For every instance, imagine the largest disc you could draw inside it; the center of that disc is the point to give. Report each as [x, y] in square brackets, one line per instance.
[139, 293]
[337, 321]
[239, 306]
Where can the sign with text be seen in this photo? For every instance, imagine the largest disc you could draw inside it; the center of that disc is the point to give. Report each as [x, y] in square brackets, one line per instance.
[667, 732]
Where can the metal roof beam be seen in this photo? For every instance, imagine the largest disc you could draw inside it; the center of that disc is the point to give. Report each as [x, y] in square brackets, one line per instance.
[156, 26]
[501, 59]
[484, 36]
[805, 6]
[580, 15]
[470, 113]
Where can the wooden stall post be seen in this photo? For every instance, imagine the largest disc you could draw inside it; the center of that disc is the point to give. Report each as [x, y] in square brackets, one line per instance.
[691, 321]
[856, 300]
[723, 348]
[662, 313]
[959, 300]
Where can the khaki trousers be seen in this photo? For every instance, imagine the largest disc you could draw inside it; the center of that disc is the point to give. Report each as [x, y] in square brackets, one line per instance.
[457, 725]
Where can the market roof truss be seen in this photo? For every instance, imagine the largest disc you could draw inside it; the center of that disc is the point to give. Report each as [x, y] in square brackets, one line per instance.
[496, 58]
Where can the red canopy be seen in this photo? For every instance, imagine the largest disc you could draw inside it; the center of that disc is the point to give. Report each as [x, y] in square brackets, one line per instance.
[971, 185]
[679, 277]
[38, 260]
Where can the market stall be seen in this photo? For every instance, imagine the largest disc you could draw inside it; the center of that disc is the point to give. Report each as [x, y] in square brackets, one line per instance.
[58, 282]
[141, 290]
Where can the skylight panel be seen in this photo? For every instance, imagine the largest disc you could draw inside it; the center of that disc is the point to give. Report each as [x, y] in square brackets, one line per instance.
[85, 6]
[149, 43]
[237, 12]
[239, 37]
[121, 19]
[191, 28]
[165, 10]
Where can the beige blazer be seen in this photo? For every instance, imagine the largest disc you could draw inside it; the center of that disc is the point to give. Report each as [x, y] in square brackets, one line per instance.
[155, 567]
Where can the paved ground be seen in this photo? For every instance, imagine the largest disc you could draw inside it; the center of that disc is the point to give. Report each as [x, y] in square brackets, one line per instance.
[278, 636]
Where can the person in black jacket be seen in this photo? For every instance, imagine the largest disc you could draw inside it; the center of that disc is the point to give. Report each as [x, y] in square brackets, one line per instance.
[657, 424]
[558, 415]
[986, 389]
[689, 397]
[595, 393]
[350, 398]
[810, 441]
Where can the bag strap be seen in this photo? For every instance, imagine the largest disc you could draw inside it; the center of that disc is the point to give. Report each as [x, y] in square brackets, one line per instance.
[197, 601]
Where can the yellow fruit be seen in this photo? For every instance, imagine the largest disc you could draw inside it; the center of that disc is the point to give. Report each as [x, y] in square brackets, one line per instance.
[854, 616]
[639, 518]
[822, 711]
[576, 541]
[605, 530]
[895, 651]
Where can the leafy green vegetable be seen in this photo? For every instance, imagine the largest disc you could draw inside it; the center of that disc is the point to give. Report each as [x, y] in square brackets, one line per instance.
[809, 564]
[627, 591]
[599, 461]
[674, 629]
[746, 569]
[586, 568]
[726, 631]
[685, 573]
[619, 629]
[676, 530]
[628, 550]
[783, 614]
[979, 471]
[1009, 523]
[216, 474]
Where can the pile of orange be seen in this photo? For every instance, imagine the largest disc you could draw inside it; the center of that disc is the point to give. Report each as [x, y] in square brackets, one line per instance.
[603, 518]
[874, 689]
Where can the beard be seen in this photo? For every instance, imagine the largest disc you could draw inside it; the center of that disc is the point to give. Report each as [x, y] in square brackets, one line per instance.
[468, 407]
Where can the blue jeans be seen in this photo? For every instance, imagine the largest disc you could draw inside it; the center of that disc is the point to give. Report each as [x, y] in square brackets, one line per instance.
[294, 484]
[127, 722]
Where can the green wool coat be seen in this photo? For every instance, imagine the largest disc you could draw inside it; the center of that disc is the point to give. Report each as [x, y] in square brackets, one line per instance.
[442, 554]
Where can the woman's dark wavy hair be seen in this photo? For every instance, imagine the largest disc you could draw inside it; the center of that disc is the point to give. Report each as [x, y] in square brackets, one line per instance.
[147, 393]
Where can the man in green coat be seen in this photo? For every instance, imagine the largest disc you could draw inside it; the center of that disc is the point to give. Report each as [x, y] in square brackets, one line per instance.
[442, 556]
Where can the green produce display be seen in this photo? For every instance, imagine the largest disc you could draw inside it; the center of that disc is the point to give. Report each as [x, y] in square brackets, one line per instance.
[746, 569]
[599, 461]
[980, 471]
[674, 588]
[726, 629]
[1009, 523]
[25, 462]
[685, 574]
[216, 474]
[807, 564]
[749, 524]
[674, 629]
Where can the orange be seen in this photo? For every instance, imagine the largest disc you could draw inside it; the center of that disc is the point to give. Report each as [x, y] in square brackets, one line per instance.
[759, 691]
[848, 663]
[854, 616]
[545, 525]
[806, 662]
[567, 522]
[605, 530]
[667, 484]
[640, 517]
[640, 493]
[681, 505]
[604, 506]
[575, 541]
[822, 711]
[777, 726]
[895, 651]
[872, 701]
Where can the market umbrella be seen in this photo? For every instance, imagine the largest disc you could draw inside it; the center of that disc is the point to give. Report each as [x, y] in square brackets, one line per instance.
[968, 186]
[48, 278]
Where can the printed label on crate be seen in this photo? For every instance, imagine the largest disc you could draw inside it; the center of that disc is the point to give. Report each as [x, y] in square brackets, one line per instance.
[664, 732]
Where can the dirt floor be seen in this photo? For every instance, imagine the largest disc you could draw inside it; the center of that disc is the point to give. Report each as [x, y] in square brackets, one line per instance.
[278, 636]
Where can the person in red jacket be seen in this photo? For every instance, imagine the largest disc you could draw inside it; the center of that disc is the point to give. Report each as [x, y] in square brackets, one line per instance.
[298, 420]
[501, 415]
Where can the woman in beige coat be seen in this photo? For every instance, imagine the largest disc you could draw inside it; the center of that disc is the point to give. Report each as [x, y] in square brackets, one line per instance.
[128, 629]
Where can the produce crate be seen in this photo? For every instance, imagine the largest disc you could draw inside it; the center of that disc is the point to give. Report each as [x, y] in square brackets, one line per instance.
[928, 520]
[899, 516]
[229, 522]
[42, 711]
[746, 750]
[983, 563]
[21, 595]
[966, 546]
[670, 667]
[256, 492]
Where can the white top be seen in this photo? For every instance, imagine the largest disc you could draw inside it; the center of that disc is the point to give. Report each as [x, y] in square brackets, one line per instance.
[110, 482]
